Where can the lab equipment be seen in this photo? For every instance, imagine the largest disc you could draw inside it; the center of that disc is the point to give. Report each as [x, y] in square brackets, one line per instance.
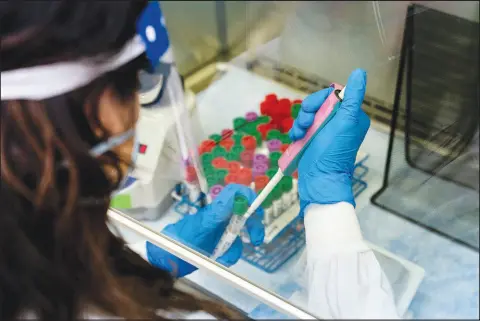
[241, 156]
[234, 227]
[158, 162]
[348, 128]
[288, 163]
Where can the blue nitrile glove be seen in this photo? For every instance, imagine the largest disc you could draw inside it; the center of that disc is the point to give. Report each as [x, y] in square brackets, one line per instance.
[326, 168]
[202, 232]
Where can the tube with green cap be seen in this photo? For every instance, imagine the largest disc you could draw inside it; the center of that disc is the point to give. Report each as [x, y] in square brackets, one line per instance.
[295, 110]
[231, 157]
[239, 122]
[219, 151]
[237, 222]
[236, 151]
[263, 119]
[274, 157]
[273, 134]
[277, 203]
[215, 137]
[220, 175]
[285, 139]
[211, 180]
[237, 138]
[267, 210]
[258, 137]
[288, 196]
[271, 172]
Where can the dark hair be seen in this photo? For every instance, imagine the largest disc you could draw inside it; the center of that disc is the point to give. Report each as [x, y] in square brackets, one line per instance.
[57, 255]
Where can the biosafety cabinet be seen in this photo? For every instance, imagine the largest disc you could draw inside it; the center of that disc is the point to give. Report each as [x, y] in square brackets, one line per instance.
[225, 121]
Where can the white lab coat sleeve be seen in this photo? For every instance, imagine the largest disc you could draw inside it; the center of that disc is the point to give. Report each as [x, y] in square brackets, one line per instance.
[345, 278]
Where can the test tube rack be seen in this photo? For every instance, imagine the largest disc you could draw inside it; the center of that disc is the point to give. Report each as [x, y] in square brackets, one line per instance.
[270, 256]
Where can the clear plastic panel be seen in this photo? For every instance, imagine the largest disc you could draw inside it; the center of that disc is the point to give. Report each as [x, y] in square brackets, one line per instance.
[294, 49]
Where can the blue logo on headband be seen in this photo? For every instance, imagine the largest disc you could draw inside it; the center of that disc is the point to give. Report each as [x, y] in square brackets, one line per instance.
[151, 28]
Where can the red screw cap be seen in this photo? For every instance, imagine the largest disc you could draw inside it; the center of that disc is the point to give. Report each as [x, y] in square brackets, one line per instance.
[260, 182]
[287, 124]
[271, 98]
[249, 142]
[220, 162]
[245, 176]
[231, 179]
[247, 158]
[206, 146]
[227, 143]
[234, 167]
[263, 130]
[226, 133]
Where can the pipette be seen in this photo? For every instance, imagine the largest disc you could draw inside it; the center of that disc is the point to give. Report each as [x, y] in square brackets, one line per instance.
[287, 164]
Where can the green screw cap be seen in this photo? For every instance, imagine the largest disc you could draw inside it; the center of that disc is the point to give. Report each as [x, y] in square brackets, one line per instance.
[273, 134]
[285, 139]
[220, 175]
[209, 171]
[295, 110]
[215, 137]
[211, 180]
[286, 183]
[271, 172]
[276, 192]
[206, 158]
[274, 157]
[240, 205]
[219, 151]
[237, 137]
[250, 128]
[263, 119]
[231, 157]
[239, 122]
[237, 150]
[267, 202]
[258, 137]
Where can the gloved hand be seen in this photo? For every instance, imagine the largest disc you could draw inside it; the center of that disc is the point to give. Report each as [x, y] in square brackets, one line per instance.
[203, 230]
[326, 168]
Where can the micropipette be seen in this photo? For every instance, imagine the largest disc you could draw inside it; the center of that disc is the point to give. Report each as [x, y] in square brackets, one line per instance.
[287, 164]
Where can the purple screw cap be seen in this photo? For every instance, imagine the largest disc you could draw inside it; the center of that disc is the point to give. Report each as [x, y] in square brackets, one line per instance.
[215, 190]
[259, 169]
[274, 145]
[260, 159]
[251, 116]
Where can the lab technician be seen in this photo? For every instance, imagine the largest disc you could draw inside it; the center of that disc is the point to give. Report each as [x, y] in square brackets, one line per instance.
[68, 112]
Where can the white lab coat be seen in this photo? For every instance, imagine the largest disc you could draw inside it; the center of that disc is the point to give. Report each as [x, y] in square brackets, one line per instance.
[345, 278]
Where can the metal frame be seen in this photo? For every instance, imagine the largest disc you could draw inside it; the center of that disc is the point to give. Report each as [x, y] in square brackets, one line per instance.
[201, 261]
